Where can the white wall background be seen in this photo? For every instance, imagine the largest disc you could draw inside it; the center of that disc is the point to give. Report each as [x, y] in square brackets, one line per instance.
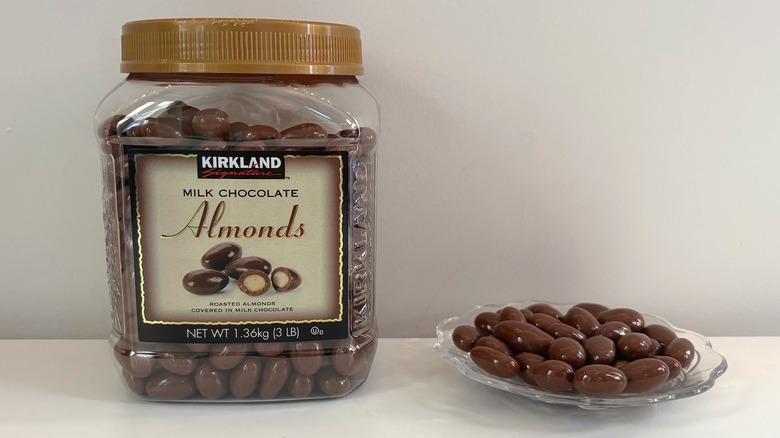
[611, 151]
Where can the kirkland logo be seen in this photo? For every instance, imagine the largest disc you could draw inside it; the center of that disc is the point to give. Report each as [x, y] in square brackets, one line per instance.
[240, 165]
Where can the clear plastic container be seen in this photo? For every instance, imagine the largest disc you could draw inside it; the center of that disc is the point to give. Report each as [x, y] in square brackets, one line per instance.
[239, 178]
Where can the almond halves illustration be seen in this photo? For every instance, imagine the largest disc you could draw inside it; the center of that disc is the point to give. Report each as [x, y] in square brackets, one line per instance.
[285, 279]
[254, 282]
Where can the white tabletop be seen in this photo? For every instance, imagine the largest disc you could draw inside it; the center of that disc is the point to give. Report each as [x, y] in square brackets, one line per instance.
[70, 388]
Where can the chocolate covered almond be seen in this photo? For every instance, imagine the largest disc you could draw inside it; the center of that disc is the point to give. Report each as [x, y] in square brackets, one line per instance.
[219, 255]
[204, 281]
[285, 279]
[254, 282]
[237, 267]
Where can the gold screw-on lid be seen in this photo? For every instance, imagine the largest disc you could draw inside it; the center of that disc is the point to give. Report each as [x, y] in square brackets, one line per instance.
[237, 45]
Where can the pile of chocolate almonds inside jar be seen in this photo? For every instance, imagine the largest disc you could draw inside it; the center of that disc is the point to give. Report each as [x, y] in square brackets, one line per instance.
[590, 349]
[260, 371]
[213, 129]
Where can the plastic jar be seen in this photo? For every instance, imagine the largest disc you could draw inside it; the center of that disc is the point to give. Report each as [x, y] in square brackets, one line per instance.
[239, 171]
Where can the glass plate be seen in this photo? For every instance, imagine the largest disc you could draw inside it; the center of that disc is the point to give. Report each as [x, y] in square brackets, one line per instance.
[700, 376]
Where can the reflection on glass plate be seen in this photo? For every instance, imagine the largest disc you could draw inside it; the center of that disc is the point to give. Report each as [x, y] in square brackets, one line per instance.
[700, 376]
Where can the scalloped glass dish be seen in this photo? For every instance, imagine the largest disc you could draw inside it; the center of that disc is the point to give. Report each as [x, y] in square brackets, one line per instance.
[700, 376]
